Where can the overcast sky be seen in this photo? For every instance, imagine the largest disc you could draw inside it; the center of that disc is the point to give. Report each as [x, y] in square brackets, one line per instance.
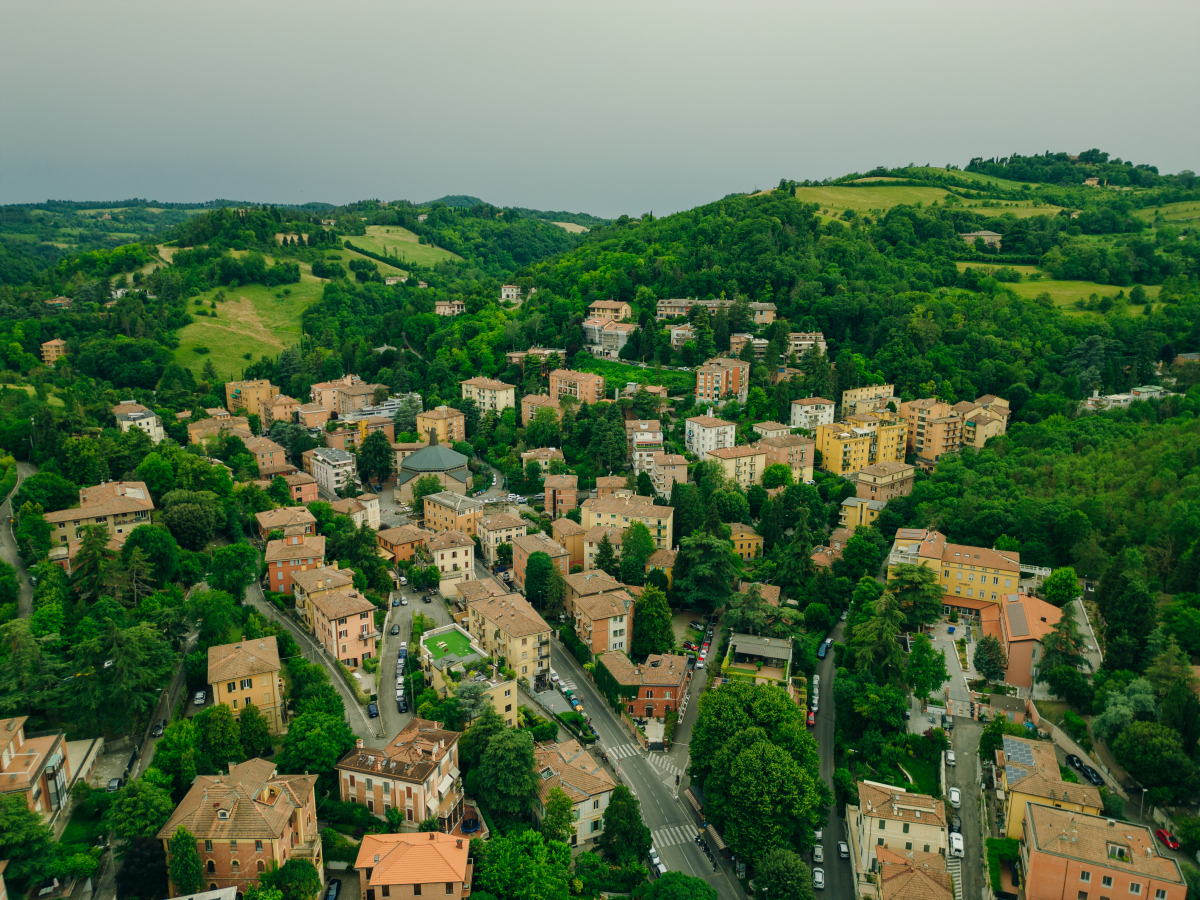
[604, 107]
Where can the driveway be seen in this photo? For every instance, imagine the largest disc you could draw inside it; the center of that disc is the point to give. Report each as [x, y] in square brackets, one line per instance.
[957, 685]
[8, 544]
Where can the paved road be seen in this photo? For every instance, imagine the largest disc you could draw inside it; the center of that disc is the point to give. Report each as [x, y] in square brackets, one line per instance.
[839, 878]
[966, 776]
[651, 777]
[394, 720]
[8, 544]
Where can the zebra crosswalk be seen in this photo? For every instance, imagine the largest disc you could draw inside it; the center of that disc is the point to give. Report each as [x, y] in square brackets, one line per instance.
[622, 751]
[663, 764]
[674, 834]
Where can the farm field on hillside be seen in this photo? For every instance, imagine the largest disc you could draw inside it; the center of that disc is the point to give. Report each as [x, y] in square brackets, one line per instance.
[253, 319]
[865, 199]
[1065, 293]
[1175, 213]
[393, 240]
[1025, 271]
[1021, 210]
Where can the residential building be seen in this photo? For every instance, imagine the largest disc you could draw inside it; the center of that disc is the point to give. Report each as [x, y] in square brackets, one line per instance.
[130, 414]
[680, 335]
[665, 470]
[657, 392]
[121, 506]
[344, 395]
[856, 512]
[524, 545]
[934, 429]
[447, 465]
[532, 403]
[36, 767]
[872, 395]
[294, 553]
[288, 519]
[643, 438]
[586, 387]
[911, 875]
[979, 426]
[988, 237]
[761, 313]
[270, 458]
[805, 341]
[620, 513]
[611, 487]
[247, 822]
[245, 673]
[615, 310]
[972, 578]
[592, 539]
[281, 408]
[402, 542]
[663, 561]
[351, 432]
[703, 434]
[496, 530]
[302, 487]
[59, 303]
[63, 555]
[410, 865]
[448, 423]
[518, 357]
[738, 342]
[891, 817]
[747, 543]
[448, 511]
[829, 553]
[229, 893]
[562, 494]
[594, 582]
[812, 412]
[570, 768]
[312, 415]
[507, 625]
[449, 307]
[417, 771]
[449, 657]
[606, 337]
[362, 510]
[1020, 622]
[791, 450]
[214, 426]
[885, 480]
[1068, 856]
[775, 654]
[722, 379]
[859, 441]
[489, 395]
[569, 535]
[543, 455]
[1028, 773]
[53, 350]
[744, 464]
[405, 449]
[772, 429]
[661, 682]
[335, 470]
[252, 396]
[513, 293]
[312, 583]
[344, 624]
[453, 552]
[603, 621]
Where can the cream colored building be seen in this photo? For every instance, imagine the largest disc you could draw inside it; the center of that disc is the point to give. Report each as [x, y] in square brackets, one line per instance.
[593, 538]
[790, 450]
[245, 673]
[490, 395]
[616, 310]
[569, 767]
[313, 583]
[252, 396]
[620, 513]
[871, 394]
[448, 423]
[509, 626]
[496, 530]
[454, 554]
[54, 350]
[888, 816]
[665, 470]
[448, 511]
[120, 505]
[743, 464]
[972, 578]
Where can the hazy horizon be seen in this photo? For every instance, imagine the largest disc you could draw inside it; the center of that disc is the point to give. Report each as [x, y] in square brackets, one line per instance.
[604, 109]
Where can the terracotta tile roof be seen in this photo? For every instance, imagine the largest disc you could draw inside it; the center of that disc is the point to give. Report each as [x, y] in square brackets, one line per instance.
[669, 459]
[229, 661]
[736, 452]
[327, 578]
[295, 547]
[416, 858]
[481, 589]
[584, 583]
[740, 530]
[410, 756]
[340, 604]
[610, 481]
[787, 440]
[511, 613]
[606, 605]
[659, 668]
[883, 801]
[489, 384]
[634, 507]
[542, 454]
[347, 507]
[812, 401]
[286, 515]
[909, 878]
[449, 540]
[888, 467]
[257, 803]
[596, 534]
[565, 526]
[258, 445]
[570, 767]
[109, 499]
[457, 502]
[539, 543]
[708, 421]
[664, 558]
[561, 482]
[442, 412]
[501, 521]
[297, 478]
[403, 534]
[1028, 618]
[1087, 838]
[981, 556]
[760, 427]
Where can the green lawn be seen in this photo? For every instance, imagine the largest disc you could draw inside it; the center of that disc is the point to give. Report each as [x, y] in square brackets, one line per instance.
[456, 642]
[82, 829]
[1065, 293]
[618, 374]
[392, 240]
[253, 319]
[1175, 213]
[866, 199]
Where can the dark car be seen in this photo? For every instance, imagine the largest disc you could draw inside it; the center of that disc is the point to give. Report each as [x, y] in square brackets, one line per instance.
[948, 723]
[699, 626]
[395, 629]
[114, 785]
[956, 825]
[1074, 761]
[428, 598]
[395, 601]
[401, 705]
[1092, 776]
[373, 710]
[335, 888]
[158, 729]
[821, 651]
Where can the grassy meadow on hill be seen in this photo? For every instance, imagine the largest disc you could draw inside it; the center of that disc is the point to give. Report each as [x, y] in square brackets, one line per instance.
[392, 240]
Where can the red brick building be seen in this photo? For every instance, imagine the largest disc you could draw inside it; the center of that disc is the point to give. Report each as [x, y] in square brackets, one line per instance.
[661, 681]
[562, 494]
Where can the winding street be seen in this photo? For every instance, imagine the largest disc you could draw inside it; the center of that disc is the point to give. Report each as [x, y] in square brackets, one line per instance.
[8, 544]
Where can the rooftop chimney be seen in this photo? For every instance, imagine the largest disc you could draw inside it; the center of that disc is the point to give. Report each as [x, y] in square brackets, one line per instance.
[433, 836]
[358, 743]
[460, 843]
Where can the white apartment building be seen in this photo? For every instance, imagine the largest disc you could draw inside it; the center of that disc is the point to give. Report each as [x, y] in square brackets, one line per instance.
[334, 469]
[706, 433]
[643, 438]
[888, 816]
[130, 414]
[570, 767]
[489, 394]
[454, 554]
[496, 530]
[811, 412]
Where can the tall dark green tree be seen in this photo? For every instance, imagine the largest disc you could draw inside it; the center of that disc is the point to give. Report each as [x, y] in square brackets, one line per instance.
[625, 839]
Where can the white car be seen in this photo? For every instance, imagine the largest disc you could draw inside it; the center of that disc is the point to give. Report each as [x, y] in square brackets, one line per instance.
[553, 676]
[819, 834]
[955, 798]
[700, 664]
[819, 879]
[403, 580]
[951, 759]
[816, 682]
[818, 854]
[957, 848]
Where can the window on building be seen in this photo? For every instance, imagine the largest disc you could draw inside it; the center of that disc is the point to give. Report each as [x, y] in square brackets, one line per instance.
[208, 846]
[879, 841]
[1106, 881]
[908, 845]
[1085, 877]
[258, 846]
[212, 867]
[233, 846]
[416, 890]
[905, 827]
[1082, 895]
[387, 891]
[1135, 888]
[926, 848]
[1160, 894]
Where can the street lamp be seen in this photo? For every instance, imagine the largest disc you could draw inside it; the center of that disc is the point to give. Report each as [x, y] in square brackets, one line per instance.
[1142, 811]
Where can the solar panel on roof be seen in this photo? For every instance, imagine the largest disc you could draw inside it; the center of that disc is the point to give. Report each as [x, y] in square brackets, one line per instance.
[1017, 622]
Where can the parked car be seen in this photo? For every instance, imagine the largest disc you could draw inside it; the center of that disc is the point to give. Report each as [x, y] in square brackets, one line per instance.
[951, 759]
[199, 698]
[845, 614]
[404, 601]
[819, 835]
[335, 887]
[404, 648]
[957, 845]
[812, 718]
[700, 664]
[956, 825]
[1168, 839]
[819, 879]
[401, 704]
[114, 785]
[553, 676]
[403, 580]
[400, 683]
[690, 645]
[947, 723]
[395, 601]
[373, 710]
[814, 705]
[843, 850]
[653, 857]
[395, 629]
[1092, 776]
[955, 798]
[1074, 761]
[428, 598]
[699, 626]
[816, 683]
[159, 729]
[818, 853]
